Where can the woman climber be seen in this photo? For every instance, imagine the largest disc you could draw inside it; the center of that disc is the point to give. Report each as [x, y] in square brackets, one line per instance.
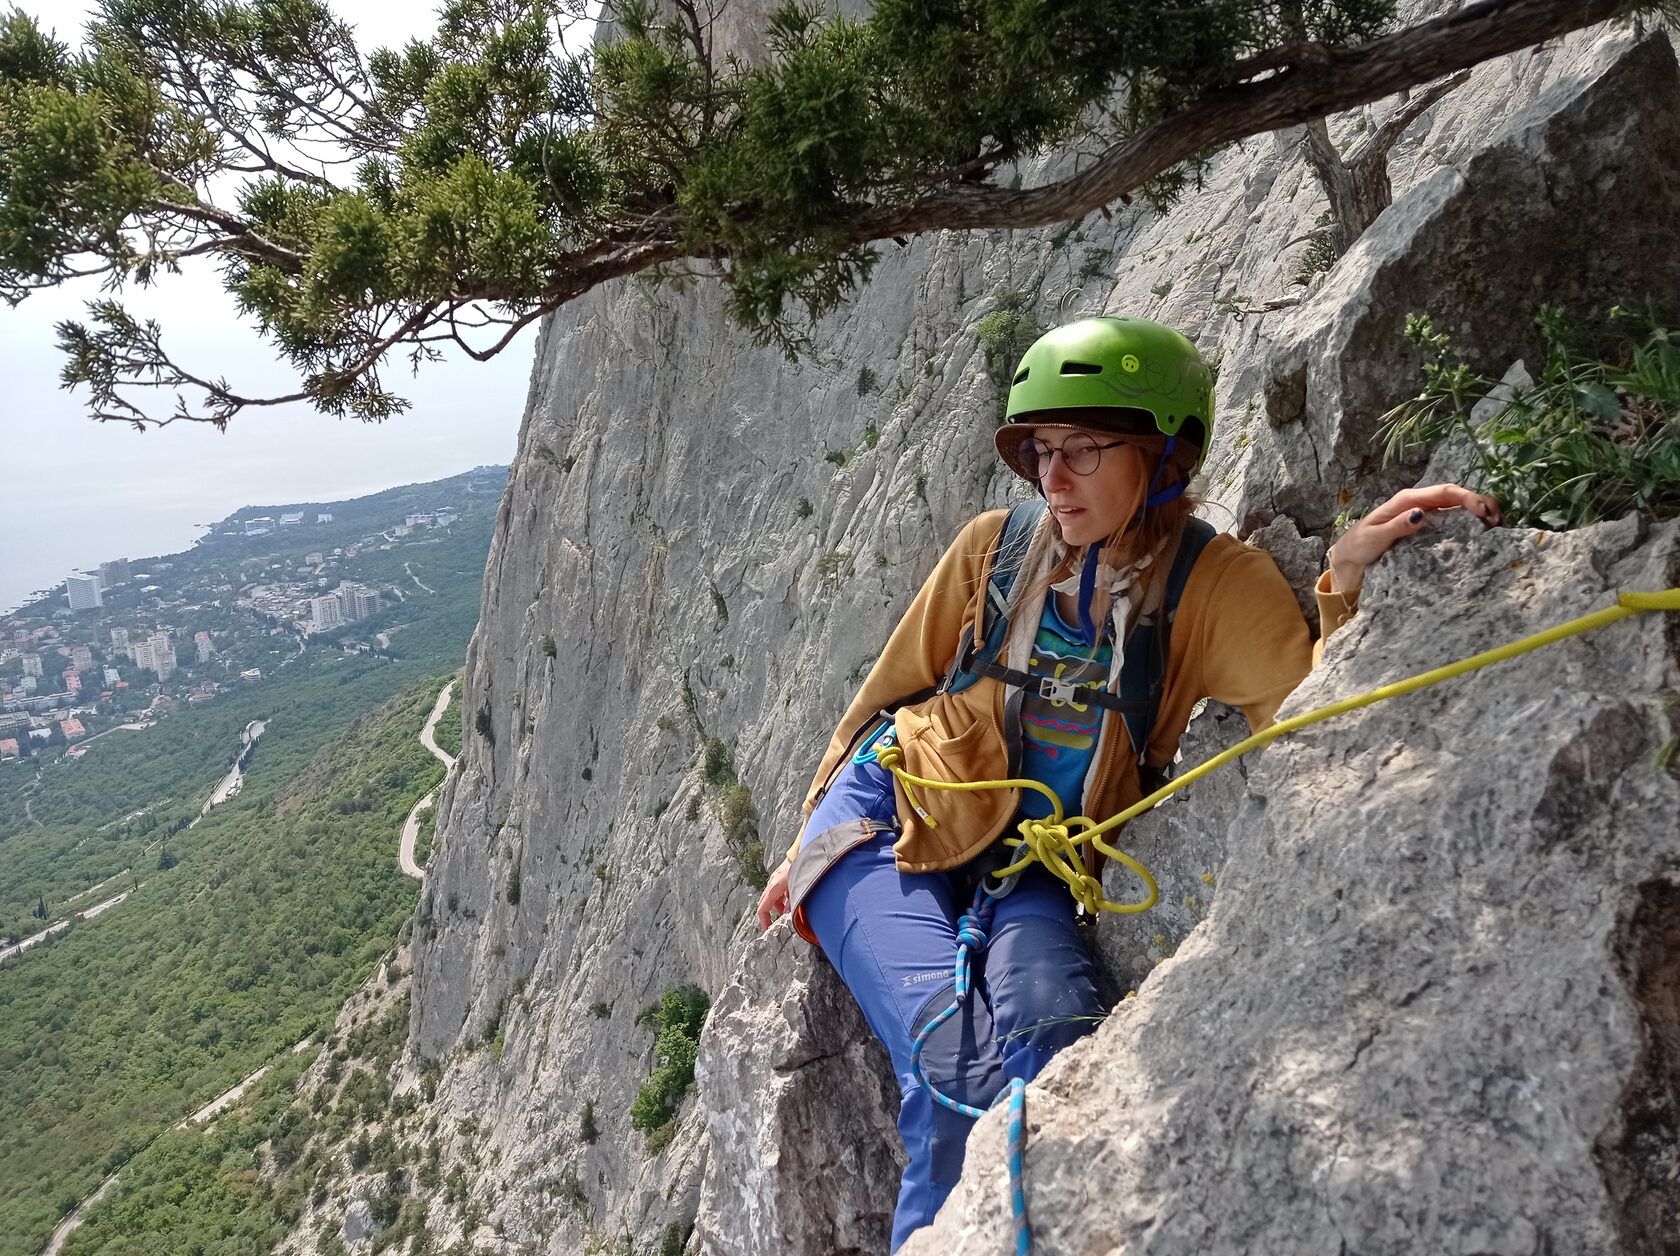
[1040, 648]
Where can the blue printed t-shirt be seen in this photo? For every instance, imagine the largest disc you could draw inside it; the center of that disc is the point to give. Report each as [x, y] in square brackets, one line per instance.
[1059, 736]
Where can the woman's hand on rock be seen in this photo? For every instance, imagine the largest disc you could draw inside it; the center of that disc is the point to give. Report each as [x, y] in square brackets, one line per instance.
[1405, 514]
[774, 901]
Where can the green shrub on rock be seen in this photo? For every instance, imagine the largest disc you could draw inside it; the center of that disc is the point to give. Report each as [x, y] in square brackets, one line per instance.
[678, 1019]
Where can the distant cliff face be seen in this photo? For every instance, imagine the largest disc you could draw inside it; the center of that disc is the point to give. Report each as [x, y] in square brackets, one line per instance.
[702, 547]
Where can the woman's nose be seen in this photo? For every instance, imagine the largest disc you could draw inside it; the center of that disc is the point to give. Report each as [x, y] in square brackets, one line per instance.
[1056, 473]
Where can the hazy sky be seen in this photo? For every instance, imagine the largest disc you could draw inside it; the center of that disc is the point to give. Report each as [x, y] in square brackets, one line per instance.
[78, 492]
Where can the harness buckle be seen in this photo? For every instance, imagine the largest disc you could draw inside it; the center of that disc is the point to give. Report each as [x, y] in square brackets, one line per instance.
[1056, 689]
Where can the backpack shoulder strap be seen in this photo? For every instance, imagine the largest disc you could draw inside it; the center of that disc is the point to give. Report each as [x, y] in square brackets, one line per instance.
[1013, 539]
[1143, 673]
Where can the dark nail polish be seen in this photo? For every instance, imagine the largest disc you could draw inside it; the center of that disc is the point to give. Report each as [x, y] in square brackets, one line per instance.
[1416, 516]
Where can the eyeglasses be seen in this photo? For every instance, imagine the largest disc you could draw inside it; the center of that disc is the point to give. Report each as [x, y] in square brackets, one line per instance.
[1080, 455]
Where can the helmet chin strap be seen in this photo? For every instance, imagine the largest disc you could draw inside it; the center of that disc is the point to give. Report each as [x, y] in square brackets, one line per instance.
[1087, 588]
[1159, 496]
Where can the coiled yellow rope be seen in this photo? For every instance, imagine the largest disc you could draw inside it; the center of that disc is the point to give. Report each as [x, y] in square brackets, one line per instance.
[1055, 840]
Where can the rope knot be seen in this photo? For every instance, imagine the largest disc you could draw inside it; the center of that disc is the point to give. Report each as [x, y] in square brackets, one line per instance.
[971, 932]
[1046, 831]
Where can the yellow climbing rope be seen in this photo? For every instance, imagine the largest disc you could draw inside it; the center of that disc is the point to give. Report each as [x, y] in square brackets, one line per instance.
[1055, 840]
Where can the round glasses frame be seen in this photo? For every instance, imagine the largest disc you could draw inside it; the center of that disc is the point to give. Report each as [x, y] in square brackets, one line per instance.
[1081, 455]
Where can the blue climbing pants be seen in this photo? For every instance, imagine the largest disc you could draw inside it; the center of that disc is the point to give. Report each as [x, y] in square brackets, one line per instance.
[892, 937]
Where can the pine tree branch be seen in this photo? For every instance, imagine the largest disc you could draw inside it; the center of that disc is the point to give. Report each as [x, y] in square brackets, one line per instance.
[1342, 79]
[1389, 133]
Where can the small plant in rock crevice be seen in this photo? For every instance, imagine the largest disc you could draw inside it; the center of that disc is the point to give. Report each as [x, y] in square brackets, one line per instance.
[1003, 336]
[1596, 437]
[677, 1019]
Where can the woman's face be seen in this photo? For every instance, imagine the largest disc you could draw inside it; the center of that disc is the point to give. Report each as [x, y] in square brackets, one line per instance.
[1093, 507]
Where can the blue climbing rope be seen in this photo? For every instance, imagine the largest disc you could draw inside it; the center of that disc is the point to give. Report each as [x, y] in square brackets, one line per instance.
[1018, 1165]
[972, 928]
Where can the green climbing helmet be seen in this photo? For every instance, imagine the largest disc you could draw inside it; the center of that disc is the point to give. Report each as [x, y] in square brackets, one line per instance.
[1115, 365]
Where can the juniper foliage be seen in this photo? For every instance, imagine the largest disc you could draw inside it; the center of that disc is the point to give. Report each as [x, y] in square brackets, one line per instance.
[372, 207]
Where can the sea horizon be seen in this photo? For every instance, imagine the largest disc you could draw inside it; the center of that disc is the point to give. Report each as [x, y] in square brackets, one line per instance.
[99, 525]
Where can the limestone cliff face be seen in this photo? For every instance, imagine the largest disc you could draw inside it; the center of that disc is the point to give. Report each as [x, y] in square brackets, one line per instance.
[702, 547]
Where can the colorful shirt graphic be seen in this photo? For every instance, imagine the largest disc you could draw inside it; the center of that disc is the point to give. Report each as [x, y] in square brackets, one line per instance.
[1059, 733]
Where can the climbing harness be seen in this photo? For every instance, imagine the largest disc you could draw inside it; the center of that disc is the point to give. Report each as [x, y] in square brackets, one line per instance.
[1055, 842]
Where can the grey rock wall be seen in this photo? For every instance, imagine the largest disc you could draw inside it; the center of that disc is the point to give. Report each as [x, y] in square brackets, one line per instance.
[701, 549]
[1554, 209]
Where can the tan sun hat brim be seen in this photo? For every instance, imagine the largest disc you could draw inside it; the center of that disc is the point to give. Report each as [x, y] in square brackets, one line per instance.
[1137, 425]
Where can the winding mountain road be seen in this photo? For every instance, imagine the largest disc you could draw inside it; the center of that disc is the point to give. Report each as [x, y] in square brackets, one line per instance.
[208, 1112]
[411, 826]
[236, 775]
[417, 580]
[62, 925]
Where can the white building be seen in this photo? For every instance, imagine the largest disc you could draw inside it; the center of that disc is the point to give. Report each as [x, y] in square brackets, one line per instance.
[156, 653]
[324, 613]
[259, 525]
[324, 518]
[291, 518]
[83, 592]
[254, 673]
[356, 602]
[119, 639]
[112, 676]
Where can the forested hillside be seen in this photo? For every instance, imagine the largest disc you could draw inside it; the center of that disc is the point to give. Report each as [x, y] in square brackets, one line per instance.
[245, 927]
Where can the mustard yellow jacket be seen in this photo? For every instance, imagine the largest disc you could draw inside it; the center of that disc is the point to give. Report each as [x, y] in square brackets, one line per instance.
[1238, 638]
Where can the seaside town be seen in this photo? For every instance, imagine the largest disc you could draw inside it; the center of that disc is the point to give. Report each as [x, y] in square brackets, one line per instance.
[123, 643]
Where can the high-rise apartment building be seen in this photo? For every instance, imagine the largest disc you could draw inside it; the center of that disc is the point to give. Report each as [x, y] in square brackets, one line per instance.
[141, 653]
[72, 680]
[31, 664]
[163, 655]
[119, 639]
[325, 612]
[114, 572]
[83, 592]
[206, 651]
[356, 602]
[81, 657]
